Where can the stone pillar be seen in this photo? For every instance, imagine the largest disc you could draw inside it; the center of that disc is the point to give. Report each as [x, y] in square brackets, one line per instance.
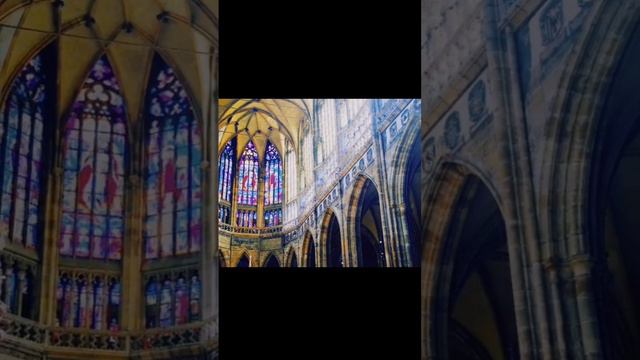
[260, 205]
[132, 310]
[209, 251]
[50, 259]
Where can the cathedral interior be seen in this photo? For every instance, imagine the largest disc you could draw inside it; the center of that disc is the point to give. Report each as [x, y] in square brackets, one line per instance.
[105, 116]
[319, 182]
[531, 182]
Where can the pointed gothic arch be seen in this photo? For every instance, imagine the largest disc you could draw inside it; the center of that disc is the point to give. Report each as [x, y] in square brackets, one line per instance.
[331, 241]
[366, 239]
[466, 257]
[308, 251]
[271, 261]
[292, 259]
[243, 261]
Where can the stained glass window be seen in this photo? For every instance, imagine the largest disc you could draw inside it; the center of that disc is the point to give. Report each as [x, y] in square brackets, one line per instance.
[224, 214]
[194, 298]
[151, 302]
[225, 168]
[182, 301]
[174, 301]
[273, 217]
[246, 218]
[273, 176]
[94, 168]
[83, 302]
[173, 171]
[166, 303]
[21, 140]
[114, 304]
[248, 176]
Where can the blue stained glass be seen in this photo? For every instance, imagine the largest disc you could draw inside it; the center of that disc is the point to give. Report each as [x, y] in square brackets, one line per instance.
[273, 176]
[93, 170]
[166, 304]
[172, 180]
[248, 176]
[21, 124]
[225, 169]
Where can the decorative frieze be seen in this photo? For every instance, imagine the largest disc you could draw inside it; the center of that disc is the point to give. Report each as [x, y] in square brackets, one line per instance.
[546, 38]
[459, 123]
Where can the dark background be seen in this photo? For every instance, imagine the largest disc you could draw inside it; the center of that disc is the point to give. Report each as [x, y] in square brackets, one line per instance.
[328, 49]
[320, 49]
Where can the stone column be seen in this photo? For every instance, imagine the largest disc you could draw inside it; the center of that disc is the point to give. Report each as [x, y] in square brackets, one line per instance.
[209, 251]
[50, 259]
[131, 281]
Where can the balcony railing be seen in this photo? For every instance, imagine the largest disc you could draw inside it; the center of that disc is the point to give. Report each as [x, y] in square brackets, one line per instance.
[272, 230]
[32, 336]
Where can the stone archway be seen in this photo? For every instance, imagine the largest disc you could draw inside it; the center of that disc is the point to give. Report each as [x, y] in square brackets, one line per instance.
[404, 195]
[589, 146]
[271, 262]
[468, 305]
[308, 251]
[292, 259]
[367, 240]
[331, 241]
[243, 262]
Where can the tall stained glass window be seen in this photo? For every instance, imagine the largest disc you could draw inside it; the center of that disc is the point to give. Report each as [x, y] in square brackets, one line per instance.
[21, 140]
[273, 176]
[94, 168]
[225, 168]
[173, 169]
[248, 176]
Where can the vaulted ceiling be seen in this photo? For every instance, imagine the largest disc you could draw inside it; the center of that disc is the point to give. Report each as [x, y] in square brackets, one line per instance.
[259, 120]
[183, 32]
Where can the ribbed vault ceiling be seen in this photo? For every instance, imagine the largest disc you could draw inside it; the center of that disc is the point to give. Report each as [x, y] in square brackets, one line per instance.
[259, 120]
[183, 32]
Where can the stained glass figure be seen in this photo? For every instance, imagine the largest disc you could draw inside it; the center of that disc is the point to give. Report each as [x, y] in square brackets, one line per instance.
[11, 288]
[166, 303]
[97, 321]
[173, 174]
[246, 218]
[225, 169]
[194, 298]
[114, 304]
[64, 297]
[22, 120]
[94, 167]
[224, 214]
[152, 299]
[273, 176]
[248, 176]
[81, 309]
[182, 301]
[273, 217]
[81, 302]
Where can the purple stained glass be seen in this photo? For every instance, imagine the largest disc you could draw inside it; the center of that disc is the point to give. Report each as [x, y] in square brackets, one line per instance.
[166, 303]
[248, 176]
[225, 169]
[172, 177]
[21, 125]
[83, 302]
[273, 176]
[94, 168]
